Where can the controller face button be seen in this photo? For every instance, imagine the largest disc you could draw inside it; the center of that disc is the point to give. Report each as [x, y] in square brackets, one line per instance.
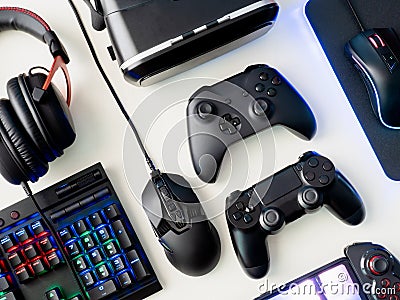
[247, 218]
[385, 283]
[240, 206]
[310, 197]
[323, 179]
[237, 216]
[378, 265]
[327, 166]
[272, 92]
[260, 107]
[271, 218]
[204, 109]
[309, 176]
[263, 76]
[313, 162]
[276, 80]
[394, 297]
[260, 87]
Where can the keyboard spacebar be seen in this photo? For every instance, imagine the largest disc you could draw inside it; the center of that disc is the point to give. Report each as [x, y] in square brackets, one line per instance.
[102, 290]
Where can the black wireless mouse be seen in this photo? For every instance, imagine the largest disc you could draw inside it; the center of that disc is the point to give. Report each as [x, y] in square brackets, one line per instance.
[376, 54]
[191, 242]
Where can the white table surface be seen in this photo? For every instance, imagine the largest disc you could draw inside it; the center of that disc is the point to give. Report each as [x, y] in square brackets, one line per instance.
[291, 48]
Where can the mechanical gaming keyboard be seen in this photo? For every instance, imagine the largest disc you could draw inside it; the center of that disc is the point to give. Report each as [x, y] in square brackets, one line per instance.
[95, 235]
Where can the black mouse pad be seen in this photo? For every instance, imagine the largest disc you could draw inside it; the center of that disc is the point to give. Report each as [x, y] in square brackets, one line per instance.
[334, 25]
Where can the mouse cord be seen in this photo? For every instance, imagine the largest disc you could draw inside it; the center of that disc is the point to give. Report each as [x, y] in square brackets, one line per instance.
[355, 15]
[149, 161]
[46, 222]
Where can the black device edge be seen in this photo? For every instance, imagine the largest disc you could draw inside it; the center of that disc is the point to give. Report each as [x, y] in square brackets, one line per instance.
[340, 261]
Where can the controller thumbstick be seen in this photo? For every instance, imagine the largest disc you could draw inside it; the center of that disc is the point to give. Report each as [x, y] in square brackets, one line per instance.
[378, 265]
[205, 109]
[272, 220]
[261, 107]
[309, 199]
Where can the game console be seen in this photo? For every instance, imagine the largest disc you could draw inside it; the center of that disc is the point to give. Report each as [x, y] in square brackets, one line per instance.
[265, 208]
[368, 271]
[154, 39]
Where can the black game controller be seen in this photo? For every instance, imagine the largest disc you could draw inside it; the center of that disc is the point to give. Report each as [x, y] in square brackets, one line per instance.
[240, 106]
[375, 267]
[369, 271]
[298, 189]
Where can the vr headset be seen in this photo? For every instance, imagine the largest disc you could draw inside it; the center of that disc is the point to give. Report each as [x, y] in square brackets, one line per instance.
[155, 39]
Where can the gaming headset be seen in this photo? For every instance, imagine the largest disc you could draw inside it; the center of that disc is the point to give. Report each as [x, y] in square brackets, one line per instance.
[35, 123]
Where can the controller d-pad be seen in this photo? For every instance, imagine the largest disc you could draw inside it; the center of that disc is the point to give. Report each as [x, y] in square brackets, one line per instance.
[239, 206]
[237, 216]
[247, 218]
[229, 125]
[241, 215]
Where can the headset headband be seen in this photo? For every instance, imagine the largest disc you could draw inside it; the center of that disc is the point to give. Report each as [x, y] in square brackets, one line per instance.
[20, 19]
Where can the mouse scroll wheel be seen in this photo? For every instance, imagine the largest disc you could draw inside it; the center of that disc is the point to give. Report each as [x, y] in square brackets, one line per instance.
[376, 41]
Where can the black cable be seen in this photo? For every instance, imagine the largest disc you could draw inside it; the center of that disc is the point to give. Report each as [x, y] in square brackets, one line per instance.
[111, 88]
[46, 222]
[355, 15]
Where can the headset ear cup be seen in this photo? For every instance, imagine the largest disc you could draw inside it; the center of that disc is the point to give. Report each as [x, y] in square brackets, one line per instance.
[23, 107]
[22, 150]
[54, 113]
[9, 168]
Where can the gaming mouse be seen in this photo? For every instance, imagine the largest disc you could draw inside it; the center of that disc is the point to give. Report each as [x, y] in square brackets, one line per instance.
[376, 54]
[191, 242]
